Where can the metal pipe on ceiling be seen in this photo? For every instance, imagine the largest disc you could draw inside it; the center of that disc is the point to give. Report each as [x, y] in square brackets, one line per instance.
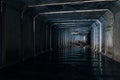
[75, 2]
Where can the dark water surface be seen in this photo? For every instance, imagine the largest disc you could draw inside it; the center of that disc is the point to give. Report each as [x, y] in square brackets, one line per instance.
[71, 63]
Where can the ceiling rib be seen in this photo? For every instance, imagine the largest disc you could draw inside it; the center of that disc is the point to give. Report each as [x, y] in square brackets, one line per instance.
[65, 3]
[74, 11]
[83, 20]
[71, 20]
[67, 23]
[72, 27]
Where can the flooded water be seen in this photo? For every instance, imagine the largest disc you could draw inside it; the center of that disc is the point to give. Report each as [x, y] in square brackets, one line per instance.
[71, 63]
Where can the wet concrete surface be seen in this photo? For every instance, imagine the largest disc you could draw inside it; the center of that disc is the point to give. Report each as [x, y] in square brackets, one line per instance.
[71, 63]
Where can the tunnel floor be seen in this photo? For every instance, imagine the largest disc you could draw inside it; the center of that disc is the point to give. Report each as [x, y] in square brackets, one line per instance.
[71, 63]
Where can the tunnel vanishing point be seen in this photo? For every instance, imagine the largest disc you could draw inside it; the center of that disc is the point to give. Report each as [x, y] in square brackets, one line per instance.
[60, 39]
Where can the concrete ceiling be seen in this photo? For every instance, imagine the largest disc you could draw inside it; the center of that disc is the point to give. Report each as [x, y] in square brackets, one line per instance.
[33, 7]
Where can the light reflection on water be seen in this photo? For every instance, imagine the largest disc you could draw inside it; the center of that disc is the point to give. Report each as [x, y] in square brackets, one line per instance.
[102, 68]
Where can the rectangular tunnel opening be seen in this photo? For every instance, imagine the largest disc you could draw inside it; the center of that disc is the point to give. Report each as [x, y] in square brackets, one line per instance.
[59, 40]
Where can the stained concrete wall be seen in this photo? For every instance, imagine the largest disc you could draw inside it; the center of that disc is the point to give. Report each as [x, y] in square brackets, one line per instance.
[95, 36]
[28, 39]
[42, 35]
[12, 36]
[63, 38]
[116, 32]
[106, 40]
[39, 34]
[110, 33]
[19, 39]
[1, 31]
[11, 51]
[104, 24]
[107, 22]
[108, 16]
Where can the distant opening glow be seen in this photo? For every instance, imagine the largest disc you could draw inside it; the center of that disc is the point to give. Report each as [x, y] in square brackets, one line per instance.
[74, 33]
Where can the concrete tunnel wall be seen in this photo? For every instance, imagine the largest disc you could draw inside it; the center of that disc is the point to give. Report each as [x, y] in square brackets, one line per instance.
[116, 32]
[112, 38]
[11, 36]
[43, 35]
[18, 42]
[95, 36]
[27, 38]
[110, 34]
[106, 34]
[18, 37]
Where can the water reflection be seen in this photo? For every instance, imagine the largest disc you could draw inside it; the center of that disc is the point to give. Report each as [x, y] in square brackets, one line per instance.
[68, 63]
[104, 68]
